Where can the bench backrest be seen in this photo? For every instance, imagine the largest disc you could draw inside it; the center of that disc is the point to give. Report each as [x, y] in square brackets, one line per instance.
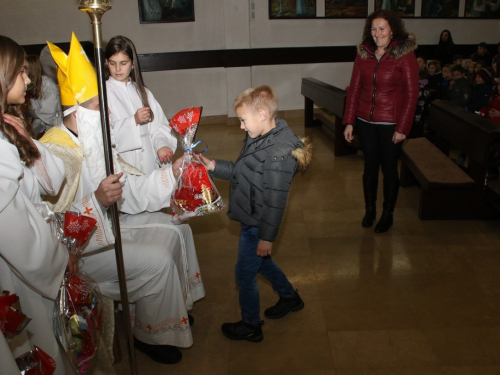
[324, 95]
[463, 130]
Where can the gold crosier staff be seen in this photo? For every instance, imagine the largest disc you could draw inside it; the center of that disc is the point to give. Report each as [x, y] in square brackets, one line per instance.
[95, 9]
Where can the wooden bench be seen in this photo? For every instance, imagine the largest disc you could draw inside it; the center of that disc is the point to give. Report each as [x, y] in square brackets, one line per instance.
[331, 99]
[448, 191]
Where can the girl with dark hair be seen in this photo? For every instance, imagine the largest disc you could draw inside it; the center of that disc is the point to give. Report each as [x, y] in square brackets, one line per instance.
[143, 136]
[32, 261]
[445, 48]
[381, 102]
[45, 102]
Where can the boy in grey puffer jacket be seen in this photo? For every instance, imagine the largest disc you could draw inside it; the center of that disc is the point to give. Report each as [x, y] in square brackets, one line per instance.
[260, 182]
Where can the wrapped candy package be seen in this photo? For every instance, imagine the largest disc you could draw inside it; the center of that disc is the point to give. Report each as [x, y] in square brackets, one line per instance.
[77, 319]
[78, 306]
[12, 320]
[195, 194]
[36, 362]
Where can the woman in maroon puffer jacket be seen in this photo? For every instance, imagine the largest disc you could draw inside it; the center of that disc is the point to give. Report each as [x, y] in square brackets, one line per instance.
[382, 99]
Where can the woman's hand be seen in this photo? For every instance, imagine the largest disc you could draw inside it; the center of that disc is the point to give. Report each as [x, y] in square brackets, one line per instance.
[142, 116]
[348, 133]
[18, 124]
[398, 137]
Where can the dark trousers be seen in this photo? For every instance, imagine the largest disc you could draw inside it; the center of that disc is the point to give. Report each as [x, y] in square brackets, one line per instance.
[379, 150]
[246, 270]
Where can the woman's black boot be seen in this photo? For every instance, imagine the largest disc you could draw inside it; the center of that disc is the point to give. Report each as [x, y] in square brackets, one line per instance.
[370, 191]
[391, 189]
[384, 223]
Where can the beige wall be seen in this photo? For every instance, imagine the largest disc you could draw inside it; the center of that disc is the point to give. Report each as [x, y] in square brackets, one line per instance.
[220, 24]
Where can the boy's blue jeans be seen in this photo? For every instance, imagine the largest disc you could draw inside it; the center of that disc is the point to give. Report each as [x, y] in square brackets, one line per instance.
[247, 267]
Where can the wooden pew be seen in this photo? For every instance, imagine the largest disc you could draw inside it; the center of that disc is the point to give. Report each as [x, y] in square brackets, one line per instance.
[332, 99]
[448, 191]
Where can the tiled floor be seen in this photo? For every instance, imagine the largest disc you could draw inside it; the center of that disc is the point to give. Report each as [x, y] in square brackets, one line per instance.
[422, 299]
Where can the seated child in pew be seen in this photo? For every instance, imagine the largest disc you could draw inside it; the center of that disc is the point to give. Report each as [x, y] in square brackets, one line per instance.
[481, 91]
[435, 78]
[460, 88]
[445, 82]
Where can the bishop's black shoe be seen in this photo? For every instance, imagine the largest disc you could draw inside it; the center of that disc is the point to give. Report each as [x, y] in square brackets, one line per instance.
[166, 354]
[243, 331]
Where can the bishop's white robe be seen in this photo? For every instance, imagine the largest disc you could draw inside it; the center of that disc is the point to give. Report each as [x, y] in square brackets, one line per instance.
[137, 144]
[32, 261]
[162, 271]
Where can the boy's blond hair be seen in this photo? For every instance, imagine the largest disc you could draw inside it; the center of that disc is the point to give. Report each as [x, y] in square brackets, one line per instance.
[261, 97]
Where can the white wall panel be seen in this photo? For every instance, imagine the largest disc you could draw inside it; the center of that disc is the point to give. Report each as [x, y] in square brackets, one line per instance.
[179, 89]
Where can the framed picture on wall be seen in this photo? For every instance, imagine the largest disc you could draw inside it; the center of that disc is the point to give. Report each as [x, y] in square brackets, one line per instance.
[482, 8]
[157, 11]
[440, 8]
[279, 9]
[346, 8]
[404, 8]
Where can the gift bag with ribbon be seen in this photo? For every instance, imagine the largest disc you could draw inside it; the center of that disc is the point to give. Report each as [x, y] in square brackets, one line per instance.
[78, 306]
[195, 194]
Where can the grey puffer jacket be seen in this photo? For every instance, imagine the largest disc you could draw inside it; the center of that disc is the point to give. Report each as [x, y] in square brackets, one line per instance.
[261, 178]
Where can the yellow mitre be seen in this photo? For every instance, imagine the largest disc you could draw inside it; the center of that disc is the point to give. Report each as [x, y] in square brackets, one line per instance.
[76, 75]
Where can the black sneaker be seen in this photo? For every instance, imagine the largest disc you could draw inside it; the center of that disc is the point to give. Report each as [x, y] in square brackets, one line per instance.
[284, 306]
[166, 354]
[243, 331]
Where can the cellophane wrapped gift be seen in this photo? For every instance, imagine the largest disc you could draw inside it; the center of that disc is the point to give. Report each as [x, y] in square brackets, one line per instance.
[78, 306]
[36, 362]
[12, 320]
[195, 194]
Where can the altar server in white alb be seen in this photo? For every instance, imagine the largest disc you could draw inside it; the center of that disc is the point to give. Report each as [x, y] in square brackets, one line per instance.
[162, 271]
[32, 261]
[143, 136]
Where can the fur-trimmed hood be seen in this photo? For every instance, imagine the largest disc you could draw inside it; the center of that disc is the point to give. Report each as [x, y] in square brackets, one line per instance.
[397, 48]
[303, 155]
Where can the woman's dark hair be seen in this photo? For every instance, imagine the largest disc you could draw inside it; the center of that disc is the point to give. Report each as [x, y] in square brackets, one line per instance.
[397, 27]
[450, 39]
[35, 72]
[123, 44]
[12, 59]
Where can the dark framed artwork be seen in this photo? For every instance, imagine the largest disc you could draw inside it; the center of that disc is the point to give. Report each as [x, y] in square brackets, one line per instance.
[157, 11]
[482, 9]
[346, 8]
[404, 8]
[440, 8]
[280, 9]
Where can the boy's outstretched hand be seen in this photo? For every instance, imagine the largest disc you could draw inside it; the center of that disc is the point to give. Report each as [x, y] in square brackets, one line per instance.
[209, 164]
[264, 248]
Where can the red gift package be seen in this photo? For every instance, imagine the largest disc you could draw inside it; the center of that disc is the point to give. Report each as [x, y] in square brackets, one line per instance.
[77, 320]
[36, 362]
[77, 229]
[12, 320]
[196, 194]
